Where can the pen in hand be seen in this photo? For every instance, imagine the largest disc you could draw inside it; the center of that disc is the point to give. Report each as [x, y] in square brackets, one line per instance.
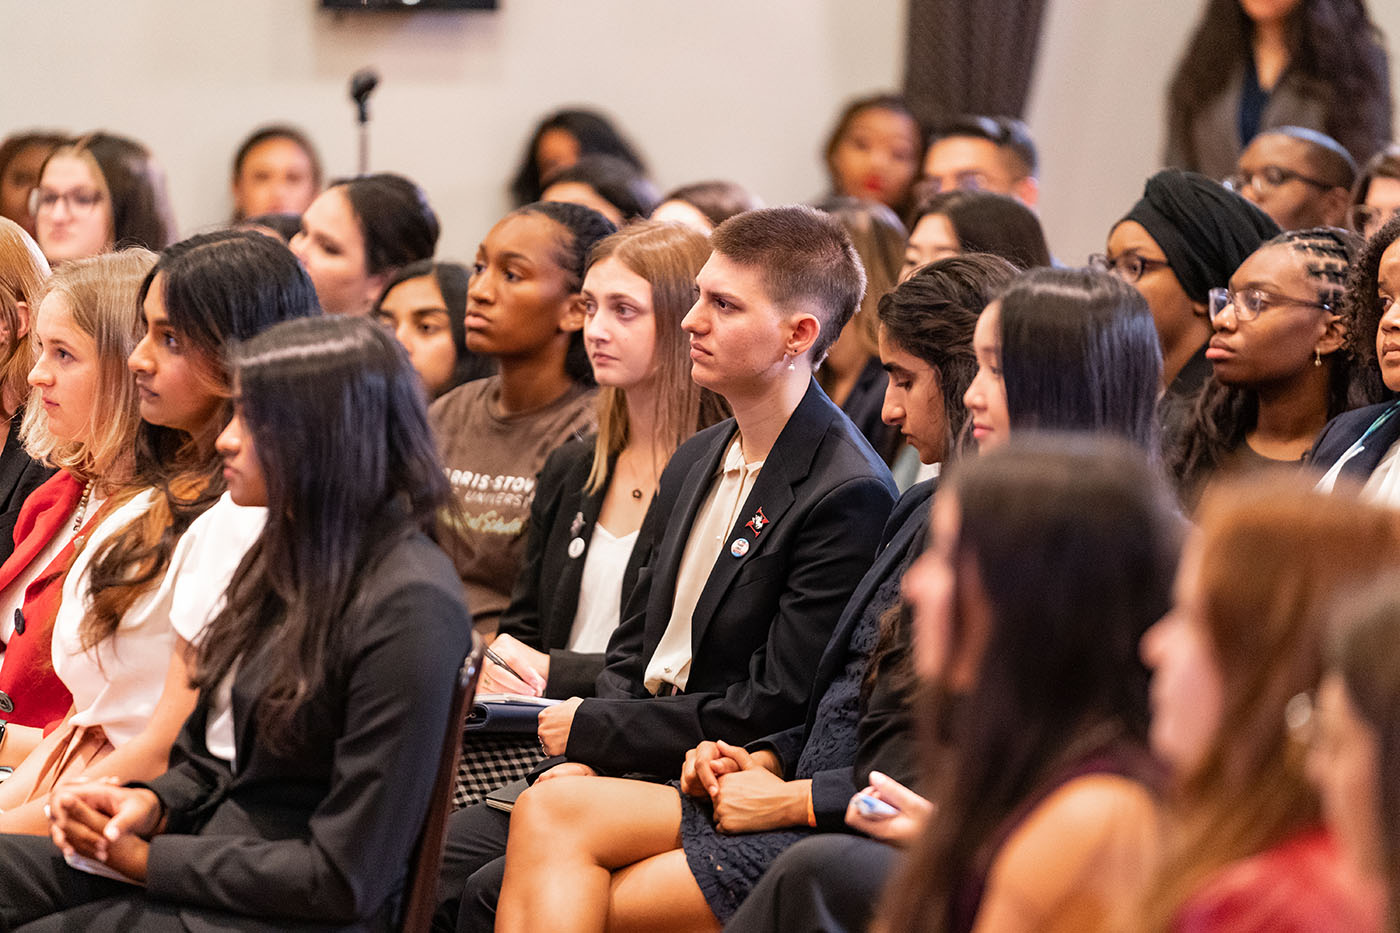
[497, 659]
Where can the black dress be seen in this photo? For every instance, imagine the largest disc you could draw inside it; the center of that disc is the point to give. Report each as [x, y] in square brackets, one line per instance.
[20, 475]
[726, 867]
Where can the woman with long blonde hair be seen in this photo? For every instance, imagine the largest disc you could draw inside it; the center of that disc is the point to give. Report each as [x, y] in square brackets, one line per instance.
[595, 491]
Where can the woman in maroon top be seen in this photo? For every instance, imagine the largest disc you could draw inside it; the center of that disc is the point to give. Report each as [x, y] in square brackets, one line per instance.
[1234, 664]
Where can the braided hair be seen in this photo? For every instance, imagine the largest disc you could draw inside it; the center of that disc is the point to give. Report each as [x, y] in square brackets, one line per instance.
[1224, 414]
[583, 228]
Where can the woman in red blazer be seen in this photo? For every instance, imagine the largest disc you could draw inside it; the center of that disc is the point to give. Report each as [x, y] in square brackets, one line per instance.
[82, 419]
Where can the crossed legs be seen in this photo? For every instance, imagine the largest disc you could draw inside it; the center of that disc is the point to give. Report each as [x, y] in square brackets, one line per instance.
[599, 854]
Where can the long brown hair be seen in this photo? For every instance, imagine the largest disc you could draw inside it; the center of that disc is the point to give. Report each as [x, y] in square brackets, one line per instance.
[1059, 675]
[1332, 44]
[668, 256]
[217, 288]
[1273, 555]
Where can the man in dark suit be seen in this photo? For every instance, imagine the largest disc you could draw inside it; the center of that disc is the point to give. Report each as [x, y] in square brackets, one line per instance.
[764, 525]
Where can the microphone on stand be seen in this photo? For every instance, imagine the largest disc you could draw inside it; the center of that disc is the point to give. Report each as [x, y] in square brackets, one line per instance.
[362, 84]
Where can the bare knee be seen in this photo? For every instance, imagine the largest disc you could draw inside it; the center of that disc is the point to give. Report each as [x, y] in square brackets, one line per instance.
[550, 810]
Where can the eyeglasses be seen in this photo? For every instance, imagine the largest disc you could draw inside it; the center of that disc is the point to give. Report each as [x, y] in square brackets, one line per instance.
[961, 181]
[1249, 302]
[1129, 267]
[1266, 179]
[79, 201]
[1366, 220]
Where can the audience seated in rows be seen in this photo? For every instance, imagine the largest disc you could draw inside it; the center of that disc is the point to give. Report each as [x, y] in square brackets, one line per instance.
[278, 811]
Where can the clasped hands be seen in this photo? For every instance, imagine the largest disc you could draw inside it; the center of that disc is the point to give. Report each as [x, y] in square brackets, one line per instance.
[745, 788]
[105, 822]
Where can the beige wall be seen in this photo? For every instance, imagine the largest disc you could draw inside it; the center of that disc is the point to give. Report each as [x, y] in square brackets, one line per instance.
[737, 88]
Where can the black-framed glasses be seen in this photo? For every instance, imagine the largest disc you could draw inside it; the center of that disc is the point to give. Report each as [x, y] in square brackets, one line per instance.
[971, 180]
[79, 201]
[1266, 179]
[1366, 219]
[1130, 267]
[1249, 302]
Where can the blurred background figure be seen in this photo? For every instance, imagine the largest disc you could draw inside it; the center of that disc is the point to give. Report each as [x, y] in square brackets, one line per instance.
[21, 157]
[559, 141]
[275, 171]
[1257, 64]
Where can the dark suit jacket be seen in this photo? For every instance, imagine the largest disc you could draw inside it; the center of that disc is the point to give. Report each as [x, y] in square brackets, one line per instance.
[1345, 429]
[324, 831]
[20, 475]
[763, 618]
[545, 598]
[886, 736]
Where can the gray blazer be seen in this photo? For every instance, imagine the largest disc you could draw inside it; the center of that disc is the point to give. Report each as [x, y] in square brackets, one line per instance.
[1212, 144]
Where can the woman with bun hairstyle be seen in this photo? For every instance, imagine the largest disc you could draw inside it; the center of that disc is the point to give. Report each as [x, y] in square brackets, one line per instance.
[358, 233]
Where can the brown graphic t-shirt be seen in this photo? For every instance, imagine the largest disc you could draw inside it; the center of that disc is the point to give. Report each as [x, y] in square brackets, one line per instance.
[491, 460]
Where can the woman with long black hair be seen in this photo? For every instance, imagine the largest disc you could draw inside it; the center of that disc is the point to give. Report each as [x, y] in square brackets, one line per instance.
[313, 818]
[1252, 65]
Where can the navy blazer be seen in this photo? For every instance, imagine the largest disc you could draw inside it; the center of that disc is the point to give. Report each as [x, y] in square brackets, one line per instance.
[764, 616]
[322, 832]
[544, 600]
[886, 735]
[1348, 427]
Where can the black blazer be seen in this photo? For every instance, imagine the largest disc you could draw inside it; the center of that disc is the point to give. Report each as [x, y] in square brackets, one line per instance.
[324, 832]
[886, 735]
[545, 598]
[20, 475]
[1345, 429]
[763, 618]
